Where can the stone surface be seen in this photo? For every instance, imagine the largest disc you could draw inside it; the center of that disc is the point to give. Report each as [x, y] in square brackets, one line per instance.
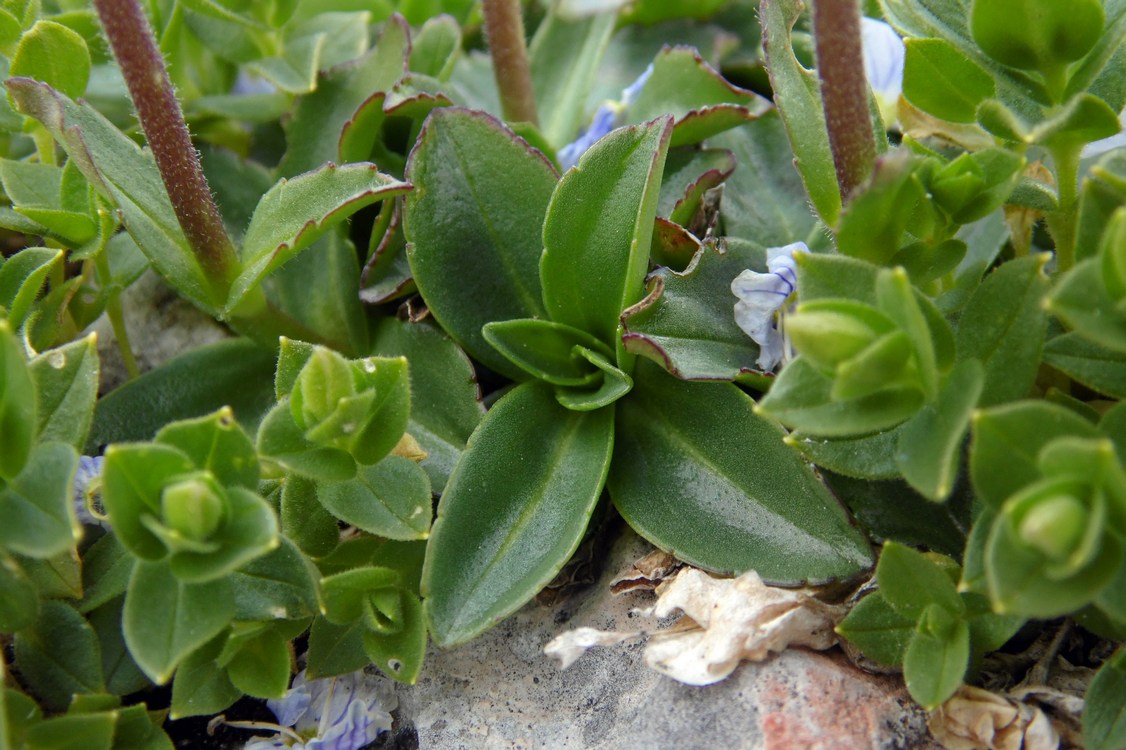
[501, 691]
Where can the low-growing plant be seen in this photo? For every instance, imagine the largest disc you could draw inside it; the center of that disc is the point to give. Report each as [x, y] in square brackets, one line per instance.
[811, 290]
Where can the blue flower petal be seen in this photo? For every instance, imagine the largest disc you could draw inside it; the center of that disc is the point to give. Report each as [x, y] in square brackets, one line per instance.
[884, 54]
[87, 479]
[761, 295]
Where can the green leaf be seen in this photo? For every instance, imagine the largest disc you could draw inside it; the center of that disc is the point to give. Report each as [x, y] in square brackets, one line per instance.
[940, 80]
[294, 213]
[436, 47]
[700, 100]
[598, 230]
[389, 499]
[866, 457]
[17, 404]
[66, 383]
[1036, 34]
[347, 595]
[122, 674]
[824, 275]
[217, 444]
[22, 278]
[202, 687]
[445, 401]
[545, 350]
[19, 598]
[1012, 436]
[59, 656]
[1081, 301]
[731, 501]
[880, 632]
[279, 585]
[686, 322]
[165, 619]
[57, 577]
[614, 384]
[248, 531]
[1009, 300]
[800, 399]
[106, 569]
[126, 176]
[930, 444]
[233, 372]
[54, 54]
[138, 730]
[280, 440]
[911, 582]
[400, 654]
[37, 504]
[73, 732]
[474, 226]
[335, 649]
[1104, 715]
[796, 94]
[261, 666]
[764, 199]
[502, 532]
[934, 666]
[304, 520]
[1092, 365]
[564, 57]
[133, 477]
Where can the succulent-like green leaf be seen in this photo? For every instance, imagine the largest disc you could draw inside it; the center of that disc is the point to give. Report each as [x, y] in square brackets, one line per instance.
[261, 666]
[1092, 365]
[911, 582]
[217, 444]
[545, 350]
[121, 673]
[335, 649]
[400, 654]
[514, 511]
[165, 619]
[280, 440]
[17, 404]
[202, 687]
[132, 479]
[54, 54]
[935, 662]
[22, 278]
[19, 602]
[598, 230]
[474, 226]
[880, 632]
[1081, 301]
[728, 501]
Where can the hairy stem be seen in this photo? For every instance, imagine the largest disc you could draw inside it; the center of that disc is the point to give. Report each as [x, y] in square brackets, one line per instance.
[162, 120]
[844, 90]
[504, 28]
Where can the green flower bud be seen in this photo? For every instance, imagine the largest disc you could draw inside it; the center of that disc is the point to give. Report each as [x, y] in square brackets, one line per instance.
[193, 507]
[324, 381]
[1055, 526]
[830, 332]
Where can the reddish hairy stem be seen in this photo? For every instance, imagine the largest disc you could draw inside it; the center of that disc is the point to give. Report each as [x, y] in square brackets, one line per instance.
[844, 91]
[162, 121]
[504, 28]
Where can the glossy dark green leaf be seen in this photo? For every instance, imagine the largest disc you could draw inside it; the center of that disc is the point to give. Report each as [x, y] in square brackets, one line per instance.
[598, 231]
[280, 585]
[389, 499]
[1104, 715]
[880, 632]
[234, 372]
[66, 383]
[1092, 365]
[929, 448]
[686, 322]
[700, 100]
[934, 665]
[59, 656]
[689, 174]
[564, 56]
[614, 384]
[17, 404]
[796, 94]
[545, 349]
[727, 502]
[502, 532]
[911, 582]
[1012, 436]
[19, 598]
[445, 401]
[764, 199]
[166, 619]
[1009, 300]
[201, 686]
[124, 174]
[38, 508]
[940, 80]
[400, 654]
[474, 226]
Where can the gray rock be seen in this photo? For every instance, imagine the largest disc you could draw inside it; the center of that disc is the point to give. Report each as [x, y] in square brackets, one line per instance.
[501, 691]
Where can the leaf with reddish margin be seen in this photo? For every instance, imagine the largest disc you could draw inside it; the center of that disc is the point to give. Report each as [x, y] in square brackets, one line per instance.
[294, 213]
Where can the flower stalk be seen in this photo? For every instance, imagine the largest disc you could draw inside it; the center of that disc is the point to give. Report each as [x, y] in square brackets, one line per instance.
[504, 29]
[162, 121]
[844, 91]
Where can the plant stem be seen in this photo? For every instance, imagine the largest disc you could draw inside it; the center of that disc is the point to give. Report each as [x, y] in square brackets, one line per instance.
[844, 91]
[504, 28]
[167, 134]
[1062, 222]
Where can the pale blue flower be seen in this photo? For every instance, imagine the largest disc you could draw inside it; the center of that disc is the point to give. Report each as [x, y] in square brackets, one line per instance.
[884, 54]
[762, 296]
[606, 118]
[88, 491]
[335, 713]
